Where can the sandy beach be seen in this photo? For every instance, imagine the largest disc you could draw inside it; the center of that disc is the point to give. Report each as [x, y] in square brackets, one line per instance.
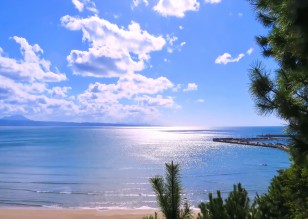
[24, 213]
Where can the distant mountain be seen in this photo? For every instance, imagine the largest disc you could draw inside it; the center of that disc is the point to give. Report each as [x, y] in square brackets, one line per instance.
[16, 118]
[19, 120]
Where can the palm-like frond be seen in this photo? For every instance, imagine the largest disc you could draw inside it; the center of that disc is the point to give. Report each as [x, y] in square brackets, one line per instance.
[158, 186]
[169, 193]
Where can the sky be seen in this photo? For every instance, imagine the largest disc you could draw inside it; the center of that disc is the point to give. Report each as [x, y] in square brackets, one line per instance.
[162, 62]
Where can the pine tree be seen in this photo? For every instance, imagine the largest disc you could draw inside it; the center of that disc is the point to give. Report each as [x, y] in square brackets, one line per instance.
[236, 206]
[169, 194]
[237, 203]
[284, 92]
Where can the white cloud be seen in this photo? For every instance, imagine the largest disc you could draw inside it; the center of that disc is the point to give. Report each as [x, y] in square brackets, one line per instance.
[191, 87]
[31, 67]
[136, 3]
[158, 100]
[227, 58]
[140, 94]
[212, 1]
[200, 101]
[172, 43]
[177, 88]
[116, 16]
[24, 87]
[118, 52]
[114, 51]
[176, 8]
[78, 4]
[181, 27]
[240, 14]
[166, 60]
[249, 51]
[32, 98]
[59, 92]
[171, 40]
[127, 87]
[88, 4]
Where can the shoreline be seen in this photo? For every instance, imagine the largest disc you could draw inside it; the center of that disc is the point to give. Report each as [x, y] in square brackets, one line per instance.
[68, 213]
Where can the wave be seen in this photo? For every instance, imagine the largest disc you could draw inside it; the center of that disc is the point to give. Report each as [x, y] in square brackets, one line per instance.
[27, 203]
[94, 193]
[51, 192]
[35, 174]
[47, 183]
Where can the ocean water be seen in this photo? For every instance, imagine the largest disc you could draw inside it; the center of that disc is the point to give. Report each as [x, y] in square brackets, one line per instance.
[110, 167]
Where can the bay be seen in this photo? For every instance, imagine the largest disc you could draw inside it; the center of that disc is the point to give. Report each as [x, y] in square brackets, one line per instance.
[110, 167]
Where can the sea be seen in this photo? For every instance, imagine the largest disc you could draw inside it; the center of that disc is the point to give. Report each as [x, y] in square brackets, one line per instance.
[110, 167]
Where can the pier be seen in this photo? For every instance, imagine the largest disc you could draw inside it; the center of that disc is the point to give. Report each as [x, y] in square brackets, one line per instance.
[254, 142]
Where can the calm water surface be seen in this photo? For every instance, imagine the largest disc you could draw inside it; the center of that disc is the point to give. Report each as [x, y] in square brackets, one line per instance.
[110, 167]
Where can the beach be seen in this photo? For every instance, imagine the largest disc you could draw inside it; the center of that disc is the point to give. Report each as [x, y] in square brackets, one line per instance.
[46, 213]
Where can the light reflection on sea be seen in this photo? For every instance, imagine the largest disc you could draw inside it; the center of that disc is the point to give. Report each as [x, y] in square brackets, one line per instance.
[102, 167]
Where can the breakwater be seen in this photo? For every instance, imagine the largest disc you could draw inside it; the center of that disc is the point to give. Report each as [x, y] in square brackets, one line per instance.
[254, 142]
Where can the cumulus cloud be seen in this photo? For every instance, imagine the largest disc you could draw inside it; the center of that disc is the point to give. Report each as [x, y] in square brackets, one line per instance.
[114, 51]
[227, 58]
[191, 87]
[81, 4]
[176, 8]
[24, 87]
[249, 51]
[32, 98]
[118, 52]
[142, 96]
[212, 1]
[59, 92]
[158, 100]
[31, 67]
[200, 101]
[127, 87]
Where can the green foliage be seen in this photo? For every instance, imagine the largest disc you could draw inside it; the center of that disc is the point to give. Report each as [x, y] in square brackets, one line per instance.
[169, 193]
[151, 216]
[287, 196]
[214, 209]
[236, 206]
[237, 203]
[284, 92]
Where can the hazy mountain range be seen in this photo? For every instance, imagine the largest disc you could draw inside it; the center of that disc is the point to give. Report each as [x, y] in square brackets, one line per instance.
[19, 120]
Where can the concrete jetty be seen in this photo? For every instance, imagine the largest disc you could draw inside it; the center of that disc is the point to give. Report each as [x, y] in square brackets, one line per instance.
[254, 142]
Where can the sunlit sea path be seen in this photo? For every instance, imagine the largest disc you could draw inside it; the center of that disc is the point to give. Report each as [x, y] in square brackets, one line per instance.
[109, 167]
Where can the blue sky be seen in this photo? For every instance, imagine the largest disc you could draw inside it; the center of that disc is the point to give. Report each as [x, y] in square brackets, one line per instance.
[166, 62]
